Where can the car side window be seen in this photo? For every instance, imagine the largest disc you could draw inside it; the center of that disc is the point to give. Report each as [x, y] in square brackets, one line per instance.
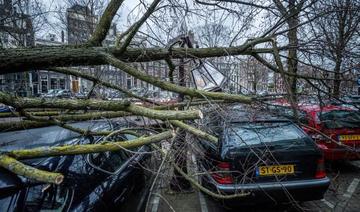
[110, 162]
[54, 198]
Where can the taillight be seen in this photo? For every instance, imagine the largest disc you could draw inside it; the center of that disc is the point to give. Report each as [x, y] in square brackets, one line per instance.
[222, 175]
[320, 171]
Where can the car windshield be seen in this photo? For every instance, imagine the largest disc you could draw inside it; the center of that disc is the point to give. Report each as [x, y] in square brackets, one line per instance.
[269, 133]
[340, 119]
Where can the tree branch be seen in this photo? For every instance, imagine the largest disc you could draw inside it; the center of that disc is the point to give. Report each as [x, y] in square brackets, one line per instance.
[94, 79]
[105, 22]
[21, 169]
[23, 103]
[88, 148]
[194, 131]
[26, 124]
[24, 59]
[134, 28]
[172, 87]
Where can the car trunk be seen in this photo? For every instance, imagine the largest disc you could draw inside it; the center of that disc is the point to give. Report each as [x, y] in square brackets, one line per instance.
[342, 126]
[349, 137]
[245, 166]
[265, 152]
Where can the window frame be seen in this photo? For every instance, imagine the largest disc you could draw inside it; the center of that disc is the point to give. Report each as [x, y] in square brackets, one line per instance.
[121, 167]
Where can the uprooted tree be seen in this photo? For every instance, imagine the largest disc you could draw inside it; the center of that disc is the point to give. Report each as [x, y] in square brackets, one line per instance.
[174, 118]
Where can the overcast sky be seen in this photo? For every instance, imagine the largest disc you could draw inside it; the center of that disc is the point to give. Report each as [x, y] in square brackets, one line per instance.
[128, 13]
[56, 8]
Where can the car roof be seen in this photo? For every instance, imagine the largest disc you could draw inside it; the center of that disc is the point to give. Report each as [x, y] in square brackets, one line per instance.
[241, 113]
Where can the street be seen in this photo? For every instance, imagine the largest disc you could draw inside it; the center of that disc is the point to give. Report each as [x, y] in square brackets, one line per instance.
[343, 195]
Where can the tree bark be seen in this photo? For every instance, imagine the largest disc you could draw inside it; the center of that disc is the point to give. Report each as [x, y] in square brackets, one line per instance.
[88, 148]
[25, 59]
[21, 169]
[337, 78]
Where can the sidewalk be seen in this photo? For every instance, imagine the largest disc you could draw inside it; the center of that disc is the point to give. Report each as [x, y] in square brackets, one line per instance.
[164, 200]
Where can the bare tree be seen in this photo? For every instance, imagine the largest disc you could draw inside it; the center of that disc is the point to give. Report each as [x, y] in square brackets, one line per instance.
[336, 37]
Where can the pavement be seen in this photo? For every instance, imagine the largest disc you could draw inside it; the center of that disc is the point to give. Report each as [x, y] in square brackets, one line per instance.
[342, 195]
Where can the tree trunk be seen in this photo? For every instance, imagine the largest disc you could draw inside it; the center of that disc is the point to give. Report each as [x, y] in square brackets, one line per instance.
[22, 59]
[178, 182]
[337, 79]
[292, 60]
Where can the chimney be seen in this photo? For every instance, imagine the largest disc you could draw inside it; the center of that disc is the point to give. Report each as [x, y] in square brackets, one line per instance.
[62, 36]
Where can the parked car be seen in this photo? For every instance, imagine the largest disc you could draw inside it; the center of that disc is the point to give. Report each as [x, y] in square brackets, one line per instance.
[63, 94]
[351, 101]
[80, 95]
[115, 96]
[5, 108]
[270, 157]
[339, 123]
[57, 93]
[50, 94]
[109, 181]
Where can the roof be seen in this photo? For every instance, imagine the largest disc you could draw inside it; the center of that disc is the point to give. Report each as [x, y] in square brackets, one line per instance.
[77, 8]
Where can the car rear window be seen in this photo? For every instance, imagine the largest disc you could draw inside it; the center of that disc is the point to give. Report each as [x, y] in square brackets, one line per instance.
[269, 133]
[340, 119]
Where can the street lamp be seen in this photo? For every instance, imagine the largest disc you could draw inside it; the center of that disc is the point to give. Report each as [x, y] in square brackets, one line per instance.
[207, 77]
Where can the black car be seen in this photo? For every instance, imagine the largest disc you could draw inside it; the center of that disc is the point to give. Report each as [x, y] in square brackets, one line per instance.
[94, 182]
[269, 157]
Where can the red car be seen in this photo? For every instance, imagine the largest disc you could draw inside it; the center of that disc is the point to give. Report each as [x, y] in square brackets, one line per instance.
[339, 123]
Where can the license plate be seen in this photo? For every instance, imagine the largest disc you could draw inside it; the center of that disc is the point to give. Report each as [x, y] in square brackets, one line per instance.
[349, 137]
[275, 170]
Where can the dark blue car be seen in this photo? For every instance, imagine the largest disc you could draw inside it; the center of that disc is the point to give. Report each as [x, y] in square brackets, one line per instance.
[100, 181]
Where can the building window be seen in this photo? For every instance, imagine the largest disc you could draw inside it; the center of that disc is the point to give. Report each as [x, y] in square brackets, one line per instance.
[62, 83]
[128, 83]
[53, 83]
[44, 84]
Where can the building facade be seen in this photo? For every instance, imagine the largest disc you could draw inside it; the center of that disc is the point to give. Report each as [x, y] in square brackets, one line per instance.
[16, 30]
[81, 23]
[48, 80]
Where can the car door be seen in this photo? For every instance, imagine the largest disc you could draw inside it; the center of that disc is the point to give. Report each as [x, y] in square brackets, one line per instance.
[125, 177]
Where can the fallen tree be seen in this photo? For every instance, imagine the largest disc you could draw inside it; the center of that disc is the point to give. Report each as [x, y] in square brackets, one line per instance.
[63, 59]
